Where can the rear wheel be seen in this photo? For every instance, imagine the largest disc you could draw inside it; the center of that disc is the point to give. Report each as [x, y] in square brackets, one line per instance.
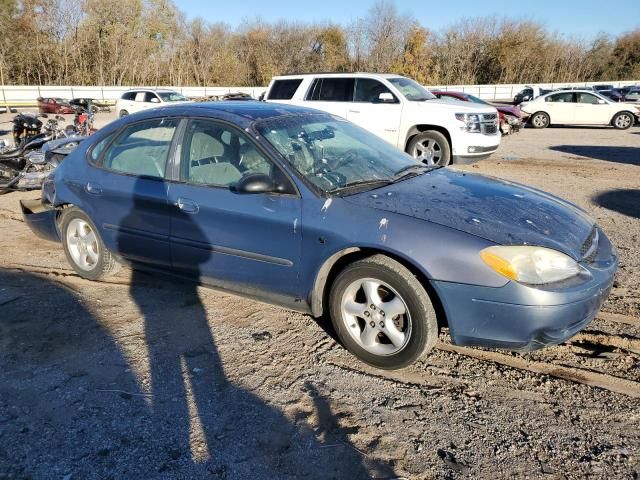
[622, 120]
[382, 314]
[123, 113]
[83, 246]
[431, 148]
[540, 120]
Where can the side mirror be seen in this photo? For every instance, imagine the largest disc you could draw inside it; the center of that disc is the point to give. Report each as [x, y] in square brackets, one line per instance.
[155, 100]
[386, 97]
[256, 183]
[601, 102]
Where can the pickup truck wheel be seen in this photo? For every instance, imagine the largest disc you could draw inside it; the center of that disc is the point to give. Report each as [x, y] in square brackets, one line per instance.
[83, 246]
[622, 120]
[431, 148]
[540, 120]
[382, 314]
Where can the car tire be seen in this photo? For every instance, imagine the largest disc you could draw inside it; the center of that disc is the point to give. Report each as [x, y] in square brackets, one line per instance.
[87, 254]
[540, 120]
[357, 301]
[431, 148]
[123, 113]
[623, 120]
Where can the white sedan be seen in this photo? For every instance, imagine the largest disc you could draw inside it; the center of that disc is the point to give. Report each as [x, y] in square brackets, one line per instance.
[579, 107]
[137, 100]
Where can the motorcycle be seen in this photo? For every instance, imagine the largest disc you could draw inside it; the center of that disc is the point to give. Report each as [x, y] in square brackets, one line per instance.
[38, 165]
[82, 123]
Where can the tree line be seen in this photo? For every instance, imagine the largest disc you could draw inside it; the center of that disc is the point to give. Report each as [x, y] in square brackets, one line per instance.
[151, 42]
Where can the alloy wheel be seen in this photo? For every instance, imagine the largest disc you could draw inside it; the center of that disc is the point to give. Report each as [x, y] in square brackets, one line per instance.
[428, 152]
[83, 244]
[376, 316]
[623, 121]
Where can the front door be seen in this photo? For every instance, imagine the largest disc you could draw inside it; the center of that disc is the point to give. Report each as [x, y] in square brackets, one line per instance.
[589, 111]
[249, 243]
[127, 193]
[381, 118]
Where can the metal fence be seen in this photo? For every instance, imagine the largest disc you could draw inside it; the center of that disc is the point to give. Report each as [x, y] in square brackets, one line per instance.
[27, 95]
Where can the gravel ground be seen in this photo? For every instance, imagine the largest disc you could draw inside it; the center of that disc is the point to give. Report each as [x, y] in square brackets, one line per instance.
[141, 377]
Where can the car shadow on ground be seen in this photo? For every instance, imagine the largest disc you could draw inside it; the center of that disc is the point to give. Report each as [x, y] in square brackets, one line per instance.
[625, 201]
[628, 155]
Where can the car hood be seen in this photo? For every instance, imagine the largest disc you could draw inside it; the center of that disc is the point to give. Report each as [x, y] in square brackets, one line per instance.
[453, 105]
[499, 211]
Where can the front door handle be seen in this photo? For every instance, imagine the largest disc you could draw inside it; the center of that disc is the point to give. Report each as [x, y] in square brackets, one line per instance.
[187, 206]
[354, 111]
[93, 188]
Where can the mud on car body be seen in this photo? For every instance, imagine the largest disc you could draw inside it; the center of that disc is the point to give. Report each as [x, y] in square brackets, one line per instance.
[306, 210]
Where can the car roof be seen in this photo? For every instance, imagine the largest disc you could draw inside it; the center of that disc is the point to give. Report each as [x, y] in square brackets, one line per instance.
[142, 89]
[337, 74]
[245, 112]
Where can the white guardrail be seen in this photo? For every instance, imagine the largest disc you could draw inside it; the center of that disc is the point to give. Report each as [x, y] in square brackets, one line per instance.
[26, 95]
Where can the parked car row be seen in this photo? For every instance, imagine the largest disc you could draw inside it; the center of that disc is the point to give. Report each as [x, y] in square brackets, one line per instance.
[62, 106]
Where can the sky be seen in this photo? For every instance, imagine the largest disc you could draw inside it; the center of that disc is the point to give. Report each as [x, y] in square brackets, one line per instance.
[581, 18]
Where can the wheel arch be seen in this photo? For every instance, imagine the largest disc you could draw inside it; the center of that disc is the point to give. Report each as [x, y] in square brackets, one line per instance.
[633, 117]
[417, 129]
[338, 261]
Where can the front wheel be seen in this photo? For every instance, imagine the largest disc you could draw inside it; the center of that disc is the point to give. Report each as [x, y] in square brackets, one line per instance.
[540, 120]
[83, 246]
[431, 148]
[622, 120]
[382, 314]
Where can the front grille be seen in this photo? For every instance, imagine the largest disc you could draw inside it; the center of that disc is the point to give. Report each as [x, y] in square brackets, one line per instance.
[489, 123]
[589, 248]
[489, 129]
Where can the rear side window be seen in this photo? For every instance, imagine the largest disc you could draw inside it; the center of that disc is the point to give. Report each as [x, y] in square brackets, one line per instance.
[129, 96]
[565, 97]
[332, 90]
[142, 148]
[284, 89]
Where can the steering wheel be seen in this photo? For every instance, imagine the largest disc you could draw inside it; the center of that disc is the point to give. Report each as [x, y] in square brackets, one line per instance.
[346, 158]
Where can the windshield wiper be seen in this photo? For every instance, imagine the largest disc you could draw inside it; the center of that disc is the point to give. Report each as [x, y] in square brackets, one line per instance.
[413, 170]
[374, 183]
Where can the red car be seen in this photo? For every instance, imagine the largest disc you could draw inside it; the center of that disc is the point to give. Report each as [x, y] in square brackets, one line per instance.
[54, 105]
[510, 116]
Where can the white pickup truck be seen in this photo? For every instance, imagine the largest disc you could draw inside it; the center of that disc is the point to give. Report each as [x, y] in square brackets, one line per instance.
[400, 111]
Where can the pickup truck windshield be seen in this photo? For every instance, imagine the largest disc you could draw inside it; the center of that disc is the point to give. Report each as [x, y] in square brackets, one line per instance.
[336, 155]
[413, 91]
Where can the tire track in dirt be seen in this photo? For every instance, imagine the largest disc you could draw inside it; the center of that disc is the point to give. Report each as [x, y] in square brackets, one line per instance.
[577, 375]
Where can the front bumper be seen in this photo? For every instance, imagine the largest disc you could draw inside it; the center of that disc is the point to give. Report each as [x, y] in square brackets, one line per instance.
[41, 219]
[472, 147]
[522, 317]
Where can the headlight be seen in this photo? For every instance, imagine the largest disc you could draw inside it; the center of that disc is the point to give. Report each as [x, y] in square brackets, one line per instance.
[471, 122]
[528, 264]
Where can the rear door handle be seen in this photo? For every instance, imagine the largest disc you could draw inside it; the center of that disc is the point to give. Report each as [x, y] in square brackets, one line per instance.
[187, 206]
[93, 188]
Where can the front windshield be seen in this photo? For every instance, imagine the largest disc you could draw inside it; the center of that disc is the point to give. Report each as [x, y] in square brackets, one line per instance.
[172, 97]
[413, 91]
[334, 154]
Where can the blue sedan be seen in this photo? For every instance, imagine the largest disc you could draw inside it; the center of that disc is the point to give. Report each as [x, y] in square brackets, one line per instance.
[303, 209]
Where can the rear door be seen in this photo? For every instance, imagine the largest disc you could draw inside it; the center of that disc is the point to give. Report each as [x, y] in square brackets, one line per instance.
[331, 94]
[244, 242]
[127, 193]
[561, 107]
[367, 110]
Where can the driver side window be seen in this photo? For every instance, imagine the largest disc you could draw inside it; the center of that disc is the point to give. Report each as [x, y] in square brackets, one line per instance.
[218, 156]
